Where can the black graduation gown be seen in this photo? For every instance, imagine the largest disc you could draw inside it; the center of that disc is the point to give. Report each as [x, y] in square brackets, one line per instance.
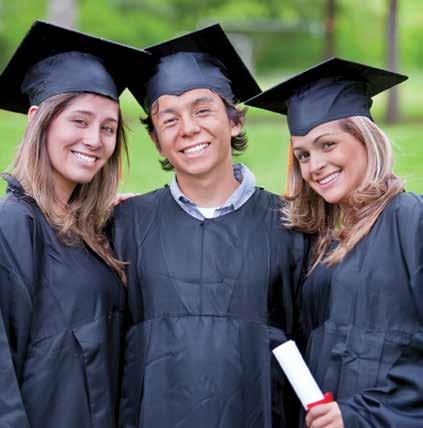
[208, 300]
[61, 326]
[364, 322]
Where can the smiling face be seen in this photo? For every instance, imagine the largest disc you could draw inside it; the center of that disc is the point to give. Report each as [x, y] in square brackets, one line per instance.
[193, 131]
[332, 161]
[80, 140]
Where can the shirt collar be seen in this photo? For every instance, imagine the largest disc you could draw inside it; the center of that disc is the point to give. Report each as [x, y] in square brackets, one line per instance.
[241, 194]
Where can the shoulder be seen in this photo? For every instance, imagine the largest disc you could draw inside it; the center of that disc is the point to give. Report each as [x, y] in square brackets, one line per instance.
[267, 200]
[133, 217]
[402, 220]
[406, 207]
[15, 212]
[407, 200]
[274, 201]
[273, 204]
[138, 206]
[18, 240]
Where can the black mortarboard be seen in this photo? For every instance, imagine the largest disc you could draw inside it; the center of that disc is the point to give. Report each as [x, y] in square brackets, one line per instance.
[334, 89]
[202, 59]
[52, 60]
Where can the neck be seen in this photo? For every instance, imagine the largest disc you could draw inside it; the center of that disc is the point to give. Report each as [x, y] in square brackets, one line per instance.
[345, 209]
[208, 191]
[63, 189]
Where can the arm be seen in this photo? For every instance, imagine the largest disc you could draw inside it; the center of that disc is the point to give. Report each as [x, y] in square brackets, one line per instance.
[398, 403]
[16, 276]
[289, 252]
[132, 220]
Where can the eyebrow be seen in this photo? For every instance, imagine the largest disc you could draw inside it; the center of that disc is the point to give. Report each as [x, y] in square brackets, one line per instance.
[202, 100]
[316, 140]
[90, 113]
[166, 110]
[321, 136]
[197, 101]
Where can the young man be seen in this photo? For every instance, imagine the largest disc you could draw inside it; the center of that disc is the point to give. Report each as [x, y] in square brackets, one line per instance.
[212, 275]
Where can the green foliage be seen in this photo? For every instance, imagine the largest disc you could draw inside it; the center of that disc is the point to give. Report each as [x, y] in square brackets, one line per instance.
[360, 26]
[266, 153]
[360, 30]
[15, 19]
[139, 27]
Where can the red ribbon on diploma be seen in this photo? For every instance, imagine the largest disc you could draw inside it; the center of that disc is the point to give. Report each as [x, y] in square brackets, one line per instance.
[327, 398]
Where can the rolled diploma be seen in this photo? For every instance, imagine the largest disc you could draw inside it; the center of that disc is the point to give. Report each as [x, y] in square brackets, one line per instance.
[298, 373]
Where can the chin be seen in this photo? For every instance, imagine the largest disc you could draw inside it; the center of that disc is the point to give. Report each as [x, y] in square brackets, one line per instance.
[333, 199]
[196, 171]
[83, 179]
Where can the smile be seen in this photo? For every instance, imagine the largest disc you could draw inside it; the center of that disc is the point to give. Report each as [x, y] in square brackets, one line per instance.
[329, 178]
[196, 149]
[83, 157]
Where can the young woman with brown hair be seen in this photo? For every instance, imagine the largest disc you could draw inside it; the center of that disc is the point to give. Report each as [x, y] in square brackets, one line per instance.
[361, 301]
[62, 295]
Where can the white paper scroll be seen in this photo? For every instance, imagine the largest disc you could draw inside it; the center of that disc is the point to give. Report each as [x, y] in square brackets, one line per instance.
[298, 374]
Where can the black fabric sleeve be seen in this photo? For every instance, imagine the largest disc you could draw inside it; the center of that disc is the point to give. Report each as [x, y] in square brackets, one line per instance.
[399, 403]
[17, 235]
[131, 222]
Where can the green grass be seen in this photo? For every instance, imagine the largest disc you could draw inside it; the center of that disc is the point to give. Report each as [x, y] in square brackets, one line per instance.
[266, 154]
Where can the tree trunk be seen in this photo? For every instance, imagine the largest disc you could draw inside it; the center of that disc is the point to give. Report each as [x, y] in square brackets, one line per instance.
[62, 12]
[330, 29]
[392, 111]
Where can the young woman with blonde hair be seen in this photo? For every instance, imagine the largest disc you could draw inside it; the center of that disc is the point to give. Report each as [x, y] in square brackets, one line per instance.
[62, 295]
[361, 301]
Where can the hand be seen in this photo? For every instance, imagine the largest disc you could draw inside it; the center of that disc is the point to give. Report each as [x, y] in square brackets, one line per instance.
[121, 197]
[325, 416]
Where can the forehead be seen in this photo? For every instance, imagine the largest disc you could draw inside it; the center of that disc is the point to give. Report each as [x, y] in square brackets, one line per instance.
[331, 127]
[95, 104]
[187, 99]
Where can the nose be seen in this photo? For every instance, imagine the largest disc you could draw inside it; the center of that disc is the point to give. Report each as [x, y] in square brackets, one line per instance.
[189, 126]
[317, 163]
[92, 137]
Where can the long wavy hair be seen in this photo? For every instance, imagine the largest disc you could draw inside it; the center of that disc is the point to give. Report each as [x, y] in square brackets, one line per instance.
[84, 218]
[308, 212]
[239, 142]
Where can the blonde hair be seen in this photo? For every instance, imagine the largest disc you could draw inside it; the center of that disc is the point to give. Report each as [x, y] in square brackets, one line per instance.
[84, 217]
[308, 212]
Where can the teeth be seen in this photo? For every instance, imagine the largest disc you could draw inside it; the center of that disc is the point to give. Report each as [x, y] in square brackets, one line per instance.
[329, 178]
[85, 158]
[196, 149]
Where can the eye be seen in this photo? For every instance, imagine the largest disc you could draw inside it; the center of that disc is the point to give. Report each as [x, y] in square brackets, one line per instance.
[79, 122]
[203, 111]
[327, 145]
[110, 130]
[302, 156]
[169, 121]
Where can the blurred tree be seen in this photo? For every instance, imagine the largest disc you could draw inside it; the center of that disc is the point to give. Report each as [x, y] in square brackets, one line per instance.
[62, 12]
[330, 29]
[392, 111]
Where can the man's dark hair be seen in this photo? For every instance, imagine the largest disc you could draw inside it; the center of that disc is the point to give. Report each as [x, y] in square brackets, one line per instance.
[238, 143]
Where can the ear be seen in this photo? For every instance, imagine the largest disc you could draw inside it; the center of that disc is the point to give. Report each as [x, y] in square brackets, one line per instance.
[155, 140]
[235, 129]
[31, 112]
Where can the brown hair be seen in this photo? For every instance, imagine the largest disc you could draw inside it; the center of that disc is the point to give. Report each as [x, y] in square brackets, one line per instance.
[84, 217]
[308, 212]
[237, 116]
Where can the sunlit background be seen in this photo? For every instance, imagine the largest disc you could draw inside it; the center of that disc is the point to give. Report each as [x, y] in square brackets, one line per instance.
[276, 38]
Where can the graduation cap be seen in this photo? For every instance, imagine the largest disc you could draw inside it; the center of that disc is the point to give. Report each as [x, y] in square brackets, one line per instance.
[52, 60]
[201, 59]
[334, 89]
